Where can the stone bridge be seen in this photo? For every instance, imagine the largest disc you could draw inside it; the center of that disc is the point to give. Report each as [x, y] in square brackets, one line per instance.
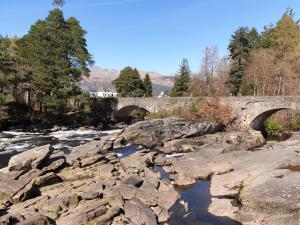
[250, 111]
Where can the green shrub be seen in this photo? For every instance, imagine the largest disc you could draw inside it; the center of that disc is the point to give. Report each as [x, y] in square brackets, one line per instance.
[272, 125]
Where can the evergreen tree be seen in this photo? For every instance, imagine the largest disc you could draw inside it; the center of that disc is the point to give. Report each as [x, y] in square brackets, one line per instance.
[55, 50]
[129, 83]
[8, 75]
[148, 86]
[286, 34]
[182, 80]
[58, 2]
[254, 39]
[239, 47]
[266, 36]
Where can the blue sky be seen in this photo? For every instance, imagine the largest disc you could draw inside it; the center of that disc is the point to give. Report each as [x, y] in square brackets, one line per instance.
[152, 35]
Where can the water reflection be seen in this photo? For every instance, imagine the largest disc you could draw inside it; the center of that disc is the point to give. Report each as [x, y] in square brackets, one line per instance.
[198, 200]
[125, 151]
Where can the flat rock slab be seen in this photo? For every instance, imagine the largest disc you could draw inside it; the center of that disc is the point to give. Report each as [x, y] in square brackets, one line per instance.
[29, 159]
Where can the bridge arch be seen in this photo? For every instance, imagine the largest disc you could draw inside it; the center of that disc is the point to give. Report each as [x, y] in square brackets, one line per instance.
[258, 122]
[250, 111]
[130, 113]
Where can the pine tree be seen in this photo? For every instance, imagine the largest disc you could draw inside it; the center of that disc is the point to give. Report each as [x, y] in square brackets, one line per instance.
[129, 83]
[254, 39]
[182, 80]
[8, 75]
[239, 47]
[148, 86]
[55, 50]
[58, 2]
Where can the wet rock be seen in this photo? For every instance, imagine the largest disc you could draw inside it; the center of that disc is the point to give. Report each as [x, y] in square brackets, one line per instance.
[29, 159]
[138, 213]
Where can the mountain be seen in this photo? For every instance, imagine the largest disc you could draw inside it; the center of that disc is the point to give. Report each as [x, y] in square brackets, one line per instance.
[101, 79]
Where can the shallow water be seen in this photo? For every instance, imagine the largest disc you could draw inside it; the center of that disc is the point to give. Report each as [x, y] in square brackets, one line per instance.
[198, 199]
[125, 151]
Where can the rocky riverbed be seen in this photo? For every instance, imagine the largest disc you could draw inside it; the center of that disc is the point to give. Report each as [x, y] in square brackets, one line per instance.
[108, 182]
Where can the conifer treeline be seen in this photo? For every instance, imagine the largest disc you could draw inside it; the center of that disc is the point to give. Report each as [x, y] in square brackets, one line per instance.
[265, 63]
[130, 84]
[47, 63]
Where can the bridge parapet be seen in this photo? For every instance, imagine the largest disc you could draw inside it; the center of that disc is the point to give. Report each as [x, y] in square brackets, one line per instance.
[250, 111]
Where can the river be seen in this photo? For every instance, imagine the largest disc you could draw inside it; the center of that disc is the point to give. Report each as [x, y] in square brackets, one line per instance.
[13, 142]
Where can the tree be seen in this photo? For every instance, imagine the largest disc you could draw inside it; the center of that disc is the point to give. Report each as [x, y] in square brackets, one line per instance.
[260, 76]
[209, 64]
[286, 34]
[55, 50]
[129, 83]
[8, 75]
[148, 86]
[254, 39]
[182, 80]
[58, 2]
[239, 47]
[198, 85]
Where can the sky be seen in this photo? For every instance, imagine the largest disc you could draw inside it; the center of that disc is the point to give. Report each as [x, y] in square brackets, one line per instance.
[151, 35]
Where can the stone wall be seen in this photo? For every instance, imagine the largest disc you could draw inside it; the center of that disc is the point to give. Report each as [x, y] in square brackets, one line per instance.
[250, 111]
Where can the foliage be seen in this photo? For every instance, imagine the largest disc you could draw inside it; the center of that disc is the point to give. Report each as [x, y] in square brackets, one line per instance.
[182, 79]
[239, 47]
[55, 50]
[286, 35]
[8, 74]
[272, 125]
[273, 67]
[148, 86]
[209, 110]
[58, 2]
[129, 83]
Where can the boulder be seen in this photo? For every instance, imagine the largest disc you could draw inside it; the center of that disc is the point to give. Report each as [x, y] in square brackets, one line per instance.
[138, 213]
[30, 159]
[155, 133]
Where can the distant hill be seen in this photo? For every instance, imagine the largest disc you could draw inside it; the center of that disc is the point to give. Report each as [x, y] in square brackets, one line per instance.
[101, 79]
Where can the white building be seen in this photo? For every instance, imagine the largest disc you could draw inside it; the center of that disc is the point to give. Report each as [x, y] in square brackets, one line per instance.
[103, 94]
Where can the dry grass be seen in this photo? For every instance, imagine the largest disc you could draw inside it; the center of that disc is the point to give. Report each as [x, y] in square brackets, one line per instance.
[202, 110]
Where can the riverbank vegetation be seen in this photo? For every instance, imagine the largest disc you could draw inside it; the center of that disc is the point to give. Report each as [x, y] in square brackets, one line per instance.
[262, 63]
[201, 110]
[39, 73]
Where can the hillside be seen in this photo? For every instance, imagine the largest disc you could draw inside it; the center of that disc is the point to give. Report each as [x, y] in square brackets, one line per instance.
[101, 79]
